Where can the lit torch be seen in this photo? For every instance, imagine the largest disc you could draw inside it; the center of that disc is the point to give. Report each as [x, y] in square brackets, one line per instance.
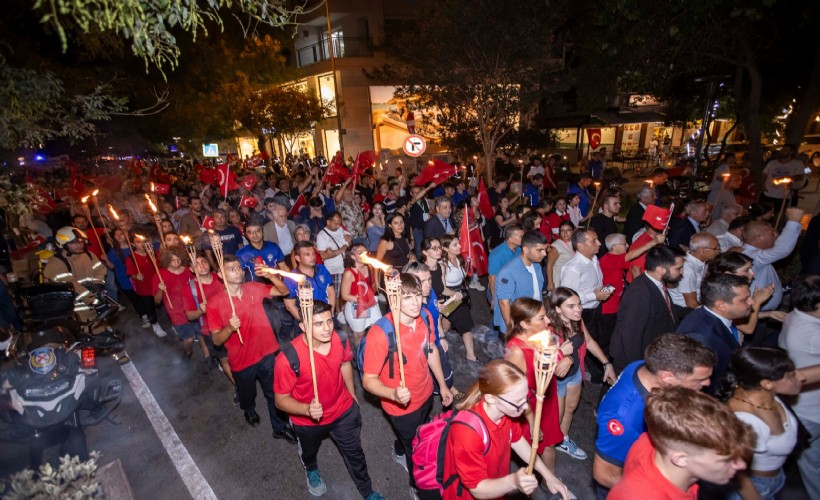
[191, 249]
[118, 222]
[544, 360]
[87, 211]
[591, 212]
[99, 212]
[786, 195]
[392, 281]
[157, 218]
[216, 248]
[149, 250]
[306, 306]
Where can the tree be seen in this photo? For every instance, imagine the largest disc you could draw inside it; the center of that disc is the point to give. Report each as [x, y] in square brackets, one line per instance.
[482, 65]
[661, 49]
[282, 112]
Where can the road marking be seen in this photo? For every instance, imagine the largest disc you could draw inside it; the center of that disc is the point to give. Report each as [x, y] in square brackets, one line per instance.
[196, 483]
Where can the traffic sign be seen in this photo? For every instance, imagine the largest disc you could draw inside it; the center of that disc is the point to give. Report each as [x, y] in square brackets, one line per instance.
[210, 150]
[414, 145]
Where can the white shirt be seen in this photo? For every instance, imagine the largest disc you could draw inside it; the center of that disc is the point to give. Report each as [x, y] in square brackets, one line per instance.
[693, 270]
[765, 273]
[285, 240]
[536, 170]
[726, 322]
[584, 276]
[800, 337]
[775, 170]
[718, 227]
[332, 240]
[728, 240]
[536, 292]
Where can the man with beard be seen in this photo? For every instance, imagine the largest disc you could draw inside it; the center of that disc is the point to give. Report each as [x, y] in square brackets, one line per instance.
[646, 310]
[190, 224]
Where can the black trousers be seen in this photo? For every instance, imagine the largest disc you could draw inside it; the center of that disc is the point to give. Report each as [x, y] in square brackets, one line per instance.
[144, 304]
[405, 428]
[246, 389]
[592, 320]
[346, 433]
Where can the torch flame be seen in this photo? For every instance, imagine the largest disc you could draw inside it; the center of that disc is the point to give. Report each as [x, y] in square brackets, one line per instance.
[84, 200]
[541, 339]
[295, 277]
[152, 188]
[113, 212]
[651, 183]
[140, 237]
[94, 193]
[186, 240]
[366, 259]
[597, 183]
[726, 176]
[782, 180]
[151, 203]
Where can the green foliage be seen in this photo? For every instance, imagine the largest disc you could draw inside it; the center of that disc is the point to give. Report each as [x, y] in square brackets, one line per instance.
[149, 24]
[73, 479]
[36, 108]
[284, 112]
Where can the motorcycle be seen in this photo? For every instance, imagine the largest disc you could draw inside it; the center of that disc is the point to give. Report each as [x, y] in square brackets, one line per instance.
[55, 385]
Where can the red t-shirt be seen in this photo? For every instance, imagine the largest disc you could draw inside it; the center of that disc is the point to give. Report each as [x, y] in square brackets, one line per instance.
[333, 394]
[545, 228]
[642, 479]
[465, 456]
[141, 287]
[613, 268]
[177, 287]
[256, 331]
[639, 262]
[417, 375]
[210, 289]
[554, 220]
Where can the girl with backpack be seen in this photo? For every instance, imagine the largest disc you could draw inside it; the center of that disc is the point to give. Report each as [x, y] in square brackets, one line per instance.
[528, 318]
[472, 470]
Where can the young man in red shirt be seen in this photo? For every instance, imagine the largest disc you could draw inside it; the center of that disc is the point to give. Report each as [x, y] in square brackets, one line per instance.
[335, 413]
[690, 437]
[406, 407]
[251, 358]
[171, 287]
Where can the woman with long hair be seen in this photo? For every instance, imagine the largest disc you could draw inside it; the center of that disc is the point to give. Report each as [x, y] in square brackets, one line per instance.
[141, 271]
[394, 248]
[375, 226]
[742, 265]
[357, 291]
[565, 317]
[757, 375]
[528, 317]
[574, 209]
[498, 398]
[449, 282]
[560, 253]
[495, 227]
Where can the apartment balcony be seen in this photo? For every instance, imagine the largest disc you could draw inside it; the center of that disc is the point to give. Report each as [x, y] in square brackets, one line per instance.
[343, 46]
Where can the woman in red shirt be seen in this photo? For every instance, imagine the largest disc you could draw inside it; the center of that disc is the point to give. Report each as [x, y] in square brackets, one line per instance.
[169, 287]
[528, 318]
[498, 398]
[141, 272]
[361, 309]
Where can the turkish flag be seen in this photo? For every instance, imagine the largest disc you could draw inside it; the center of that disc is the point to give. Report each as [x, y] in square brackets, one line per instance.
[208, 222]
[657, 217]
[109, 182]
[162, 188]
[209, 176]
[484, 200]
[594, 136]
[227, 180]
[248, 182]
[481, 263]
[136, 166]
[336, 173]
[365, 160]
[248, 201]
[301, 201]
[436, 172]
[231, 158]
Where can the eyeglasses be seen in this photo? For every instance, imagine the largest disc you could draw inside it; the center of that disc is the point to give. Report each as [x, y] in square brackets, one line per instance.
[518, 407]
[435, 248]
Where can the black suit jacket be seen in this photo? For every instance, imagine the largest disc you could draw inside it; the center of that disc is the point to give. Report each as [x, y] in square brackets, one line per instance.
[680, 232]
[433, 228]
[634, 221]
[707, 329]
[642, 316]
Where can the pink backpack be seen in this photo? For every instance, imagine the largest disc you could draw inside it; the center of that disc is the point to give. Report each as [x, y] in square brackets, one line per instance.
[430, 443]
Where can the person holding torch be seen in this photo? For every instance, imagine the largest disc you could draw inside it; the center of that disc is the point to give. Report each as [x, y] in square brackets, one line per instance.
[335, 413]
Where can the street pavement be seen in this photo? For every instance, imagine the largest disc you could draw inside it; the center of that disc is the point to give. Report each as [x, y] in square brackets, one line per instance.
[216, 454]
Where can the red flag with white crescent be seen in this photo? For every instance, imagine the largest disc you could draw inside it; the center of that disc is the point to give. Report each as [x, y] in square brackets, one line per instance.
[436, 171]
[227, 181]
[208, 222]
[248, 201]
[594, 136]
[301, 201]
[484, 200]
[249, 182]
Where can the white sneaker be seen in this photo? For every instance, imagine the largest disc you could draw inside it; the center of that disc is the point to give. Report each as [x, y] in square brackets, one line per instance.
[476, 285]
[145, 322]
[158, 331]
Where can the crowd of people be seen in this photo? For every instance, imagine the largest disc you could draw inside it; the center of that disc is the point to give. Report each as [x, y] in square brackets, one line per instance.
[675, 310]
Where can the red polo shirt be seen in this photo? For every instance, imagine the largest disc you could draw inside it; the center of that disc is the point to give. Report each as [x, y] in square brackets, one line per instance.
[642, 479]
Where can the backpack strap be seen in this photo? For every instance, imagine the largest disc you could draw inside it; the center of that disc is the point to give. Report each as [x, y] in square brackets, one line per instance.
[196, 300]
[291, 355]
[474, 422]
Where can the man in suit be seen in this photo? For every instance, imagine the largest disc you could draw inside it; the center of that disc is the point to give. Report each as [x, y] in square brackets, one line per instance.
[634, 217]
[441, 223]
[646, 310]
[725, 298]
[280, 229]
[681, 230]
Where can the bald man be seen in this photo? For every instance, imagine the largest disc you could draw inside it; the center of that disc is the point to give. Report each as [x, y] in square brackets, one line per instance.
[703, 247]
[761, 243]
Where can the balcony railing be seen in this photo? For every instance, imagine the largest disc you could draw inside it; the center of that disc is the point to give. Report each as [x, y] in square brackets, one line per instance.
[342, 47]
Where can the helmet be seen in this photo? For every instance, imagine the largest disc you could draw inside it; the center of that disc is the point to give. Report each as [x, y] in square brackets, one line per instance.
[67, 235]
